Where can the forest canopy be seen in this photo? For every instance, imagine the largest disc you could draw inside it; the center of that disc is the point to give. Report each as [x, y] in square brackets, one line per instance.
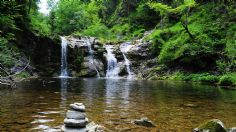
[194, 35]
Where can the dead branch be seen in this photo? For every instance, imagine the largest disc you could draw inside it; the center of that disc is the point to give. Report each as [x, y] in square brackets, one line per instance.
[7, 80]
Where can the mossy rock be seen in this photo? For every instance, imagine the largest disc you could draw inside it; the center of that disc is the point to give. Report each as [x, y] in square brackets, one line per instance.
[213, 125]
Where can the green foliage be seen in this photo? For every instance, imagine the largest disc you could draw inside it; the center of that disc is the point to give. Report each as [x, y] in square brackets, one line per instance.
[71, 16]
[213, 44]
[200, 77]
[8, 55]
[40, 23]
[98, 30]
[228, 79]
[23, 74]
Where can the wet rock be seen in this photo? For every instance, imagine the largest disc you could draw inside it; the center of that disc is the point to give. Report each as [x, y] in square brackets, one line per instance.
[75, 123]
[190, 105]
[92, 127]
[75, 115]
[69, 129]
[78, 107]
[214, 125]
[232, 129]
[144, 122]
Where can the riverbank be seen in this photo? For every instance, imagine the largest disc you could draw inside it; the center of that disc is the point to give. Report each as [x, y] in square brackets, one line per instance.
[227, 80]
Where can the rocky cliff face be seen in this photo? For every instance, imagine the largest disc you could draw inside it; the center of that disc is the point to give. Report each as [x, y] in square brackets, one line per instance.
[80, 64]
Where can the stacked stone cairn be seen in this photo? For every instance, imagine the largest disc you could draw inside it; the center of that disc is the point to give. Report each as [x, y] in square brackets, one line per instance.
[76, 120]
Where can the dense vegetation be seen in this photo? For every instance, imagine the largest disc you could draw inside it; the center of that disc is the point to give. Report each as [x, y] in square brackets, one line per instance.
[14, 18]
[194, 40]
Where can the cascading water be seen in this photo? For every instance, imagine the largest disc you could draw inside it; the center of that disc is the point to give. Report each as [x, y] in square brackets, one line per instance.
[64, 72]
[124, 48]
[112, 65]
[91, 58]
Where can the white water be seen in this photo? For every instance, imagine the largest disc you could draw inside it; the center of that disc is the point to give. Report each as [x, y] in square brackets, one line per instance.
[112, 65]
[64, 72]
[92, 64]
[124, 48]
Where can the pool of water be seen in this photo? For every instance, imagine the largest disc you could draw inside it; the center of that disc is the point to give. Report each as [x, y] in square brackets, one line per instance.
[40, 104]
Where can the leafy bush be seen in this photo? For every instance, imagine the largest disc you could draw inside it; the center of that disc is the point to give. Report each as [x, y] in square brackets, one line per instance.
[8, 55]
[98, 30]
[228, 79]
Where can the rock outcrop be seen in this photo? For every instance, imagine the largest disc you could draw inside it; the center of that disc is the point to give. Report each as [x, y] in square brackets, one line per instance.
[80, 64]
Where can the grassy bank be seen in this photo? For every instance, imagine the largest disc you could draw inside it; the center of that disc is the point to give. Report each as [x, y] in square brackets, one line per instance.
[228, 79]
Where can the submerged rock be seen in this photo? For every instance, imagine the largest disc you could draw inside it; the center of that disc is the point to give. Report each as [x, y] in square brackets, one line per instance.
[190, 105]
[144, 122]
[214, 125]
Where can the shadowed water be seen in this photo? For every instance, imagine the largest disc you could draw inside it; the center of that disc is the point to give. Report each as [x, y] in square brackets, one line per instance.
[40, 104]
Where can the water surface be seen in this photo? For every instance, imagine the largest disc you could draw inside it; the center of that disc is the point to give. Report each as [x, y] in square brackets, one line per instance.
[40, 104]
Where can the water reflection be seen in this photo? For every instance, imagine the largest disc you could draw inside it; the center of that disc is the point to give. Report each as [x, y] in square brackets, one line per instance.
[64, 86]
[117, 94]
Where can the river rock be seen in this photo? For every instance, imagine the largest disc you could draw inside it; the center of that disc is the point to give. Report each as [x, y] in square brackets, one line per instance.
[78, 107]
[232, 129]
[75, 123]
[144, 122]
[71, 129]
[93, 127]
[214, 125]
[75, 115]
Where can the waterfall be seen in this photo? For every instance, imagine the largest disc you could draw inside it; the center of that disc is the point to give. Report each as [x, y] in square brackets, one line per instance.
[64, 72]
[92, 64]
[124, 48]
[112, 65]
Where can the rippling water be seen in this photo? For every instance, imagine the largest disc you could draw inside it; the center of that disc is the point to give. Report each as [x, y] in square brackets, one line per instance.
[40, 104]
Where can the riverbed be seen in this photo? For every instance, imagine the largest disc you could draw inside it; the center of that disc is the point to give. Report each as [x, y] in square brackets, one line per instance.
[41, 104]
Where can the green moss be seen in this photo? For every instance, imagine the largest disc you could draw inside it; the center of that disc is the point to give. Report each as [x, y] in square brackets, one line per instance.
[214, 125]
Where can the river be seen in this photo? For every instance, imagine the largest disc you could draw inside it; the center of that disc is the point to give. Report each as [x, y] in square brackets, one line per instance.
[41, 104]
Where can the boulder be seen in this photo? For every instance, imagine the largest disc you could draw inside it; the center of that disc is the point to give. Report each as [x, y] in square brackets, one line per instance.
[214, 125]
[144, 122]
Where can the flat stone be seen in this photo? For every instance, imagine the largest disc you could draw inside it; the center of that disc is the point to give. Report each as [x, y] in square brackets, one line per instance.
[144, 122]
[80, 108]
[69, 129]
[75, 115]
[75, 123]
